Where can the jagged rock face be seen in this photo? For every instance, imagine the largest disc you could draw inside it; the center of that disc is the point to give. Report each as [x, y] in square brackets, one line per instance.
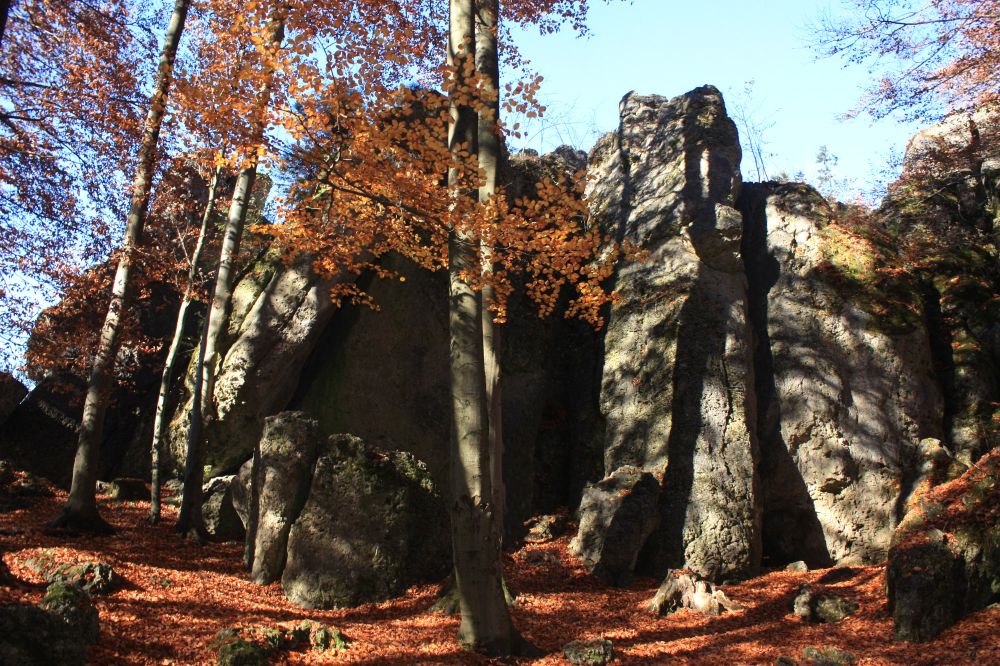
[677, 387]
[843, 396]
[279, 313]
[373, 526]
[946, 208]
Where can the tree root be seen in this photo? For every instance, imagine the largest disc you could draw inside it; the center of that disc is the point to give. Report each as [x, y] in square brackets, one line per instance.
[74, 523]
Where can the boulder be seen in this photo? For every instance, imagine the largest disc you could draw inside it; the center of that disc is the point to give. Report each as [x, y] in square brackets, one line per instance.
[843, 377]
[934, 579]
[12, 392]
[71, 607]
[617, 516]
[240, 492]
[128, 490]
[546, 528]
[91, 577]
[373, 525]
[221, 519]
[822, 608]
[260, 645]
[677, 388]
[945, 560]
[172, 492]
[596, 652]
[57, 633]
[281, 475]
[48, 414]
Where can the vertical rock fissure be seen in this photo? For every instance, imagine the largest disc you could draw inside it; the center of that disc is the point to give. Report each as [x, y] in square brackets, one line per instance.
[791, 529]
[941, 356]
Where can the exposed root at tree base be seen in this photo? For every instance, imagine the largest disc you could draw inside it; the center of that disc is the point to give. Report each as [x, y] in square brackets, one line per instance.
[71, 523]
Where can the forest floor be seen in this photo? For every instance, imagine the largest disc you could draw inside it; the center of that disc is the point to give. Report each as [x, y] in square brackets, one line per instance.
[178, 596]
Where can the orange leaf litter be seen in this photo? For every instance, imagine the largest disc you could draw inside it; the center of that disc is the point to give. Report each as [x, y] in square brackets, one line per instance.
[178, 596]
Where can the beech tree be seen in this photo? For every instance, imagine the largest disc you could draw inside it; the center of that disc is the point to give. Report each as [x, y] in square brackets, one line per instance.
[486, 625]
[376, 183]
[173, 351]
[81, 508]
[190, 520]
[931, 56]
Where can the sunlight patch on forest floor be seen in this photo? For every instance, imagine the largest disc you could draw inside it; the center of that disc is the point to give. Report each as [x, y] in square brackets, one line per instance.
[178, 596]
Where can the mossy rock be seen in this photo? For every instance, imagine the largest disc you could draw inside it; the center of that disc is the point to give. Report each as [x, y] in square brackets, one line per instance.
[596, 652]
[72, 606]
[372, 526]
[827, 656]
[253, 645]
[92, 577]
[241, 653]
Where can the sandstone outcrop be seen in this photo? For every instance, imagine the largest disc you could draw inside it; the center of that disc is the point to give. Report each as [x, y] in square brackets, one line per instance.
[844, 395]
[338, 521]
[677, 388]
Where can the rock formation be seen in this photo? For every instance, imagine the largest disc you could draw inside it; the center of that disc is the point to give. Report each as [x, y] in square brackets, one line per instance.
[12, 392]
[617, 515]
[677, 387]
[279, 312]
[339, 522]
[843, 394]
[764, 382]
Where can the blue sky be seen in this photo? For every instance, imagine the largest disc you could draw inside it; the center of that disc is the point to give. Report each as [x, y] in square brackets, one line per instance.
[668, 47]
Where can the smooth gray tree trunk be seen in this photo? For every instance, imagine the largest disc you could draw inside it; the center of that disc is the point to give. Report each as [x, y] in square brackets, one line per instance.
[190, 521]
[81, 512]
[487, 64]
[485, 625]
[160, 422]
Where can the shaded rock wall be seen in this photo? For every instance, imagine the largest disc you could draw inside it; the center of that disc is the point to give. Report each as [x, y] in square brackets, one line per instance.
[944, 212]
[843, 398]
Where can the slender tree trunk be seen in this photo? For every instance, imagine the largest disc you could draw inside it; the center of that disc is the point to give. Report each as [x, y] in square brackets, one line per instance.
[190, 521]
[160, 422]
[487, 64]
[81, 512]
[486, 625]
